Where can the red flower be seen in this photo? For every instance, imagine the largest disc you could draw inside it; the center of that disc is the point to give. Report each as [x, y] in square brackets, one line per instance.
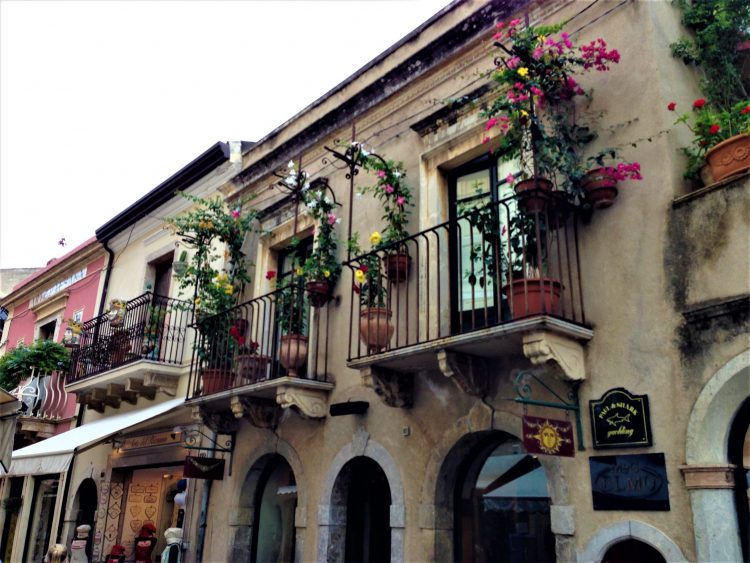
[699, 103]
[270, 274]
[363, 268]
[745, 110]
[671, 106]
[714, 129]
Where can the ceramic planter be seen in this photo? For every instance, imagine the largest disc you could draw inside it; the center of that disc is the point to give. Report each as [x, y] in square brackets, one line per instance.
[600, 188]
[319, 292]
[534, 296]
[293, 353]
[252, 367]
[534, 194]
[729, 157]
[216, 379]
[397, 266]
[375, 328]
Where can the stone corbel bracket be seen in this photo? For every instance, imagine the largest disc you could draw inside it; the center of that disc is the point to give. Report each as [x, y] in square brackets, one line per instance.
[311, 403]
[394, 388]
[167, 384]
[261, 413]
[560, 354]
[219, 422]
[469, 373]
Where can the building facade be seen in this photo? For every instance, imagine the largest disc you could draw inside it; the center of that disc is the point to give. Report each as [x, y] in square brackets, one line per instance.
[601, 414]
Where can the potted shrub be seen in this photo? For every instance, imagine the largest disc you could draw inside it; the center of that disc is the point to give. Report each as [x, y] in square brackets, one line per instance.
[601, 176]
[180, 266]
[321, 269]
[291, 316]
[116, 312]
[73, 332]
[43, 356]
[251, 366]
[216, 277]
[395, 195]
[375, 327]
[152, 332]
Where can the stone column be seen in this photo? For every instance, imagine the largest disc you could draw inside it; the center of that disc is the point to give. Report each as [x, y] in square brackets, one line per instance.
[715, 523]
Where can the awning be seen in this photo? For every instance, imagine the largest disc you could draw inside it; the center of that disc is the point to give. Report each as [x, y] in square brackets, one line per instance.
[9, 406]
[54, 454]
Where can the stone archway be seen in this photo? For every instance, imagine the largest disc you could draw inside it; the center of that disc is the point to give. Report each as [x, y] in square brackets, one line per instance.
[331, 516]
[436, 509]
[708, 473]
[241, 517]
[605, 538]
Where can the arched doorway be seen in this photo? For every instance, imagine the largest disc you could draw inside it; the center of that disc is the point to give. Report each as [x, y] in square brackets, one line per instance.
[85, 503]
[632, 551]
[739, 456]
[501, 506]
[274, 504]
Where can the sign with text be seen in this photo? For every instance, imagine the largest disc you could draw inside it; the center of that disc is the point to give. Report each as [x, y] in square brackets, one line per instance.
[150, 440]
[620, 420]
[547, 436]
[629, 482]
[211, 468]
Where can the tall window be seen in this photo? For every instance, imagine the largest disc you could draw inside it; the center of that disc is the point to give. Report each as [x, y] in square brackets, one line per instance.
[476, 262]
[42, 514]
[275, 504]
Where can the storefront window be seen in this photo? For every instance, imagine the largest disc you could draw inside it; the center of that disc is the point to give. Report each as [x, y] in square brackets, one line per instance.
[503, 507]
[275, 504]
[42, 514]
[12, 505]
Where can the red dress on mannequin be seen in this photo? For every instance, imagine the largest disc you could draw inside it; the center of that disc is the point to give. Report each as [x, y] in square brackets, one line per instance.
[145, 544]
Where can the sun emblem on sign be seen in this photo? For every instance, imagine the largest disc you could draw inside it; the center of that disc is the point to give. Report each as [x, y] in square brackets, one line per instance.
[549, 437]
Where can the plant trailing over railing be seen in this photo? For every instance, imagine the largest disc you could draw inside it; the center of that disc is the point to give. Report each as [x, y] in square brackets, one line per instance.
[369, 282]
[42, 356]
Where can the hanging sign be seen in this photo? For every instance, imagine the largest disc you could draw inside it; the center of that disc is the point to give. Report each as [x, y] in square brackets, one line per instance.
[629, 482]
[620, 420]
[211, 468]
[547, 436]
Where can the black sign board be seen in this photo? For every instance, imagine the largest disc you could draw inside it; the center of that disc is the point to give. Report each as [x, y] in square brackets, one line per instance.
[620, 420]
[629, 482]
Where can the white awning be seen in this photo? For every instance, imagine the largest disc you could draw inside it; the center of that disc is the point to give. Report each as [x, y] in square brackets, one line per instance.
[53, 455]
[9, 406]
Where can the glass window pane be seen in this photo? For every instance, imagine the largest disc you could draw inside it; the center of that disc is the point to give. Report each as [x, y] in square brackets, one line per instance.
[473, 184]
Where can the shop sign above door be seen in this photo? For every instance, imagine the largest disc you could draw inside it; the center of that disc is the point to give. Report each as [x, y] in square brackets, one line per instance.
[629, 482]
[620, 420]
[547, 436]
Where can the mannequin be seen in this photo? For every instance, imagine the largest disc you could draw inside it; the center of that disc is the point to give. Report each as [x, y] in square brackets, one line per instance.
[172, 553]
[78, 545]
[145, 544]
[117, 555]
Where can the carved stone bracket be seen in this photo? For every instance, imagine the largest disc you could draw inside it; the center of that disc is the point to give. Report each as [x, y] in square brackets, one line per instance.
[311, 403]
[468, 372]
[561, 354]
[219, 422]
[260, 412]
[708, 476]
[165, 383]
[394, 388]
[137, 386]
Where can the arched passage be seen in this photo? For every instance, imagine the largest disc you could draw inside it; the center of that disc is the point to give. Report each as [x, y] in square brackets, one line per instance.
[606, 540]
[84, 505]
[365, 459]
[630, 550]
[709, 474]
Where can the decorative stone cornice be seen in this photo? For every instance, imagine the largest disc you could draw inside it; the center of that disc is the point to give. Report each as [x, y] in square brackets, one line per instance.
[561, 354]
[394, 388]
[708, 476]
[468, 372]
[311, 403]
[261, 413]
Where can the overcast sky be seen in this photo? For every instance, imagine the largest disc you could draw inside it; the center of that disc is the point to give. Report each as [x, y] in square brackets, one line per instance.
[100, 101]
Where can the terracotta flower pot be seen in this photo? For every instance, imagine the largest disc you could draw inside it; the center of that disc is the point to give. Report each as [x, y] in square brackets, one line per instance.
[600, 187]
[729, 157]
[397, 266]
[532, 194]
[534, 296]
[216, 379]
[375, 328]
[293, 352]
[319, 292]
[252, 367]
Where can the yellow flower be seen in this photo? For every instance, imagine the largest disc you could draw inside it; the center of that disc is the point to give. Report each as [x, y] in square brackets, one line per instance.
[359, 275]
[197, 300]
[229, 290]
[523, 71]
[221, 277]
[524, 113]
[298, 271]
[326, 274]
[375, 238]
[541, 38]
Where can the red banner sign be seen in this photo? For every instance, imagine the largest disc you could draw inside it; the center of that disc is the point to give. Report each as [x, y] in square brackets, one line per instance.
[548, 437]
[204, 468]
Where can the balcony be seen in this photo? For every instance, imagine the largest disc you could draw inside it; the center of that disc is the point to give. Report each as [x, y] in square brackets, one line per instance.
[242, 363]
[121, 357]
[500, 281]
[44, 405]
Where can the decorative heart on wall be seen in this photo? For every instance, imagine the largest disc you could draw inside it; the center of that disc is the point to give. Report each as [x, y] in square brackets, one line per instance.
[150, 511]
[135, 511]
[135, 525]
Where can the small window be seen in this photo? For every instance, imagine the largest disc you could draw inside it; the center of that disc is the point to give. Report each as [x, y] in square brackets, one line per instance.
[47, 330]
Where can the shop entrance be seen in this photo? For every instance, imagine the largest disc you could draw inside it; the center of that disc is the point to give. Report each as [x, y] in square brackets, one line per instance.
[85, 507]
[274, 506]
[632, 551]
[42, 514]
[739, 456]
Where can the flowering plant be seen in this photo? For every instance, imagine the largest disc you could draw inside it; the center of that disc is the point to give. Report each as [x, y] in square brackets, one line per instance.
[291, 305]
[710, 126]
[322, 264]
[534, 113]
[369, 281]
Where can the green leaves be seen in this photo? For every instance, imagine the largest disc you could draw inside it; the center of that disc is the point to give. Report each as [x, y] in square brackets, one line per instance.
[43, 356]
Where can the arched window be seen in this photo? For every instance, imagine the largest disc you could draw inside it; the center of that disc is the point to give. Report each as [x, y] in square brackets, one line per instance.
[739, 456]
[85, 508]
[275, 503]
[502, 505]
[632, 551]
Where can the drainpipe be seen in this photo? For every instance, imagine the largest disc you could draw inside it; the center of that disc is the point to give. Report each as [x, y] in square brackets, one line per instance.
[105, 289]
[203, 518]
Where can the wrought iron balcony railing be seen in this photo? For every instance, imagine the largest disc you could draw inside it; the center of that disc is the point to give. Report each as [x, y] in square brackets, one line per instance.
[493, 264]
[153, 327]
[275, 335]
[43, 396]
